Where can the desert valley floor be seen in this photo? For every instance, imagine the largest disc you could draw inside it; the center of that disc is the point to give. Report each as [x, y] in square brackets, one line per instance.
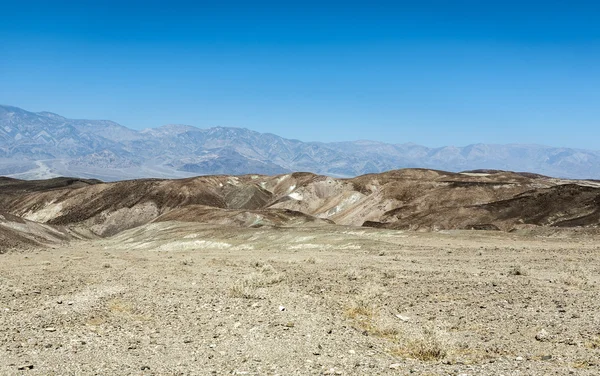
[174, 298]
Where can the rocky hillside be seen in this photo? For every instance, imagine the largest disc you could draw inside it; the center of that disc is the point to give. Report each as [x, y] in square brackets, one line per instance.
[415, 199]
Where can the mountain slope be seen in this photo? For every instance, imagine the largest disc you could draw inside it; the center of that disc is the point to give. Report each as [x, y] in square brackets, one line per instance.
[417, 199]
[44, 144]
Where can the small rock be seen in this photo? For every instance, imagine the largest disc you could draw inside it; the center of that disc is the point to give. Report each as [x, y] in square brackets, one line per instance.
[59, 302]
[69, 303]
[519, 358]
[144, 368]
[403, 318]
[546, 357]
[395, 366]
[542, 335]
[50, 329]
[25, 366]
[281, 308]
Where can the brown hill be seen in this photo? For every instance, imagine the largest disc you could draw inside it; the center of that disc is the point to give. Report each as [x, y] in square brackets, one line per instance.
[405, 199]
[18, 233]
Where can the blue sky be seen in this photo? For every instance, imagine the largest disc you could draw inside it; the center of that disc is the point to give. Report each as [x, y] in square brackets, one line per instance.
[431, 72]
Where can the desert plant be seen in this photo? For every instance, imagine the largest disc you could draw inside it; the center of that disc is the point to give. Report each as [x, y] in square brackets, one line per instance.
[427, 346]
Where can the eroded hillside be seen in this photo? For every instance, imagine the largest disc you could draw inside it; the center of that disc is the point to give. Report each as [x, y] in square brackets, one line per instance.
[417, 199]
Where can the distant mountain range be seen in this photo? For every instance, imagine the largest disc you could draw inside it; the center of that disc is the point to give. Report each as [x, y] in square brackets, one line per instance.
[43, 144]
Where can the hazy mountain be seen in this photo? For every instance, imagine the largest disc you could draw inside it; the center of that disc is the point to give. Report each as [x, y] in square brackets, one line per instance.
[44, 144]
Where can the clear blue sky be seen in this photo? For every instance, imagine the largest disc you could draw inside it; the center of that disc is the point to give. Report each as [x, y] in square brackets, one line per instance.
[430, 72]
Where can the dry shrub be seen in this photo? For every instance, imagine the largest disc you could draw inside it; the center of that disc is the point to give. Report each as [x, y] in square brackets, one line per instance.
[428, 345]
[242, 289]
[247, 288]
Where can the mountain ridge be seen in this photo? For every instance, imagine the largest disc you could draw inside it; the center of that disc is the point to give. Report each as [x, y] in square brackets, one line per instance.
[37, 145]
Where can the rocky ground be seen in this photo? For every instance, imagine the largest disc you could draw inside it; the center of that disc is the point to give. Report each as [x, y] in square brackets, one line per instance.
[175, 298]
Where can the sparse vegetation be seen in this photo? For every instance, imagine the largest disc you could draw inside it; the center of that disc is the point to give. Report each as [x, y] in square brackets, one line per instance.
[427, 345]
[247, 288]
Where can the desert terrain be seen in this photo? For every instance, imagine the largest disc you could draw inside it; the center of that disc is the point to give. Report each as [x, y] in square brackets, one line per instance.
[410, 272]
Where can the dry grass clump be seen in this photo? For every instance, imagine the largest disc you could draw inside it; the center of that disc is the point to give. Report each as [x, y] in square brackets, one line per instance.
[428, 345]
[242, 289]
[248, 287]
[366, 313]
[366, 319]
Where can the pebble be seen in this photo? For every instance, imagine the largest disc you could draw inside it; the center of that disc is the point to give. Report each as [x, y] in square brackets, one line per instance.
[546, 357]
[281, 308]
[403, 318]
[395, 366]
[519, 358]
[25, 366]
[50, 329]
[542, 335]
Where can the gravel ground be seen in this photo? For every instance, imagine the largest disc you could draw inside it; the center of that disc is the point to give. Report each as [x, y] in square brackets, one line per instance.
[187, 299]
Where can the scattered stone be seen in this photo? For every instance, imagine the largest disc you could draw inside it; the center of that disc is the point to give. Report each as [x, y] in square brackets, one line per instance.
[403, 318]
[542, 335]
[395, 366]
[144, 368]
[519, 358]
[25, 367]
[546, 357]
[50, 329]
[281, 308]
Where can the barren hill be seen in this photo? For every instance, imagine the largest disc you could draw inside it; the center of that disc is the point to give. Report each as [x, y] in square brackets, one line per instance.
[417, 199]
